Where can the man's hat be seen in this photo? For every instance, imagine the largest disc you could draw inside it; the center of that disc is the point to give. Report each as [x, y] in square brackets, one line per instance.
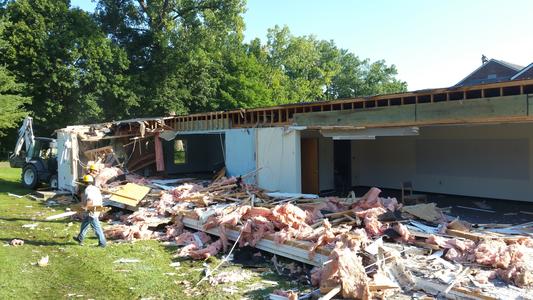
[88, 179]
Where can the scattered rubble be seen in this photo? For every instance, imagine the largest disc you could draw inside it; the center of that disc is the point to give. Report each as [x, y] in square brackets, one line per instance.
[43, 262]
[360, 247]
[16, 242]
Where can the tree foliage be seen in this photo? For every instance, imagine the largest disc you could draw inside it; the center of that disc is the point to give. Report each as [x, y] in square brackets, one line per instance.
[134, 58]
[71, 70]
[11, 102]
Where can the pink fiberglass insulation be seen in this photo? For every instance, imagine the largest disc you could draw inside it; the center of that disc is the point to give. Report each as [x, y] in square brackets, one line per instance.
[370, 218]
[346, 268]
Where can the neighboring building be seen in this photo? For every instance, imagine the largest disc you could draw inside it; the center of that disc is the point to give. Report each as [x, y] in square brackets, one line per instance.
[495, 70]
[525, 73]
[470, 139]
[491, 71]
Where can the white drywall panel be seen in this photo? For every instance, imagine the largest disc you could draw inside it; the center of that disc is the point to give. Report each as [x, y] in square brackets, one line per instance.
[67, 161]
[278, 159]
[240, 152]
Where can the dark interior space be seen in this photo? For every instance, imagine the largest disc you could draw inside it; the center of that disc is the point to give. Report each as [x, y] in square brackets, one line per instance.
[194, 154]
[342, 165]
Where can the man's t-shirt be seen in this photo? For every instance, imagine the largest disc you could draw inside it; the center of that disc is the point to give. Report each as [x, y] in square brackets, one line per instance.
[93, 194]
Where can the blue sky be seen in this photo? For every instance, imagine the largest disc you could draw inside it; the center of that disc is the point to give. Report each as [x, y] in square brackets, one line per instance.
[432, 43]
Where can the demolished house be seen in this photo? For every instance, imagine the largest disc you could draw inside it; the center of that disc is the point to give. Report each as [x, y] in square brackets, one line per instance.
[251, 177]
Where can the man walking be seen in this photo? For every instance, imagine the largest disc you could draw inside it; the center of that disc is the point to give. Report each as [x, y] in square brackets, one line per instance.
[91, 199]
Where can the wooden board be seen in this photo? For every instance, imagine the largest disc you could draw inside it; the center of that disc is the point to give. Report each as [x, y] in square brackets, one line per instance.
[309, 158]
[362, 117]
[133, 193]
[464, 110]
[504, 109]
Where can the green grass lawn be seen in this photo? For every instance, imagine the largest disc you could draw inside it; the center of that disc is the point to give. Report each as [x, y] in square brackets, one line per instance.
[89, 272]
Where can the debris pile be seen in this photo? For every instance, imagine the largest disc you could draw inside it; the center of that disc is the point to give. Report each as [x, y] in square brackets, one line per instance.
[361, 247]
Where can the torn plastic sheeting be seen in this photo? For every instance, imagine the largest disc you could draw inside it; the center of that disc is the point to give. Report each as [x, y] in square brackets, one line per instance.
[415, 225]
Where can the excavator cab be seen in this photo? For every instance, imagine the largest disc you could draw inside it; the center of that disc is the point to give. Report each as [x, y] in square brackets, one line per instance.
[38, 159]
[42, 165]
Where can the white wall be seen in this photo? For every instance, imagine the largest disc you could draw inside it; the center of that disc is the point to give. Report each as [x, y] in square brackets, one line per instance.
[240, 152]
[67, 161]
[492, 161]
[325, 164]
[278, 158]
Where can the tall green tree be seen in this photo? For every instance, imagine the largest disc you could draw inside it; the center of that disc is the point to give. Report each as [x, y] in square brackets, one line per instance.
[357, 78]
[69, 67]
[175, 49]
[305, 69]
[11, 102]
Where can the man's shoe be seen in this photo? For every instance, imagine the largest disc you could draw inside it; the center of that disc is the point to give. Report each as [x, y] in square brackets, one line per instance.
[77, 239]
[101, 245]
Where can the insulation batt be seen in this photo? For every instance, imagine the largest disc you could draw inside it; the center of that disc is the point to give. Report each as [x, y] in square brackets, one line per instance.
[370, 207]
[199, 239]
[347, 269]
[129, 233]
[483, 277]
[287, 294]
[370, 218]
[327, 236]
[174, 230]
[509, 260]
[263, 221]
[288, 215]
[497, 254]
[405, 235]
[105, 175]
[371, 199]
[254, 229]
[211, 250]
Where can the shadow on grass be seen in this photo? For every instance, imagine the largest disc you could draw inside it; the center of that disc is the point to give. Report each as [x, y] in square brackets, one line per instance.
[39, 242]
[32, 220]
[8, 186]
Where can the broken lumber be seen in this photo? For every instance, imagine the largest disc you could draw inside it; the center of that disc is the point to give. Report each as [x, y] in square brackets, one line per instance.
[61, 215]
[332, 293]
[290, 250]
[457, 293]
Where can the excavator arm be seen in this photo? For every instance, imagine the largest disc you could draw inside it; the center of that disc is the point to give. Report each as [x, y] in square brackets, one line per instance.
[25, 138]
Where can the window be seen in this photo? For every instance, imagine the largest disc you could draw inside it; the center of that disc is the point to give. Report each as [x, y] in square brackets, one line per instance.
[491, 76]
[180, 152]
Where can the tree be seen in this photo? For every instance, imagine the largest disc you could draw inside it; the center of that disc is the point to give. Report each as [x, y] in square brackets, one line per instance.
[175, 49]
[135, 58]
[358, 78]
[11, 102]
[68, 66]
[306, 69]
